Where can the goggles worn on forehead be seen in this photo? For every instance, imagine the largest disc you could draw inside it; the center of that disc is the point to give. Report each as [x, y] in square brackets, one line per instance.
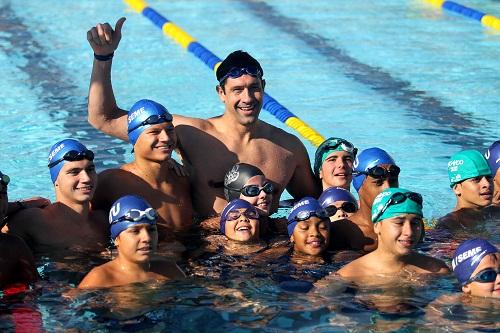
[347, 207]
[306, 214]
[344, 144]
[135, 215]
[4, 179]
[398, 198]
[74, 155]
[153, 120]
[378, 172]
[487, 275]
[235, 214]
[254, 190]
[236, 72]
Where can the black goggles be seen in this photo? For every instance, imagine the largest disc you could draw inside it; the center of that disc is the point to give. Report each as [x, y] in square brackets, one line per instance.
[235, 214]
[4, 179]
[345, 145]
[347, 207]
[307, 214]
[378, 172]
[236, 72]
[254, 190]
[398, 198]
[74, 155]
[487, 275]
[153, 120]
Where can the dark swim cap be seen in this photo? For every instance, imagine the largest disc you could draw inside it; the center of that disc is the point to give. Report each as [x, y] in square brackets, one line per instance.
[468, 256]
[233, 205]
[238, 59]
[236, 178]
[334, 194]
[492, 155]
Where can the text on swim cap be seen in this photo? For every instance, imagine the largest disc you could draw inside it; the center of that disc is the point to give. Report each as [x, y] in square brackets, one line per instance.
[453, 165]
[464, 256]
[300, 204]
[55, 151]
[136, 114]
[114, 211]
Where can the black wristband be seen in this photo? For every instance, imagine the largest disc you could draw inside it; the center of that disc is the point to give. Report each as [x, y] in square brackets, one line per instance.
[104, 57]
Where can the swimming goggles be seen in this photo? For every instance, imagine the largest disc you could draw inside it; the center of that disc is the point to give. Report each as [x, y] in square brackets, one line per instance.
[233, 215]
[4, 179]
[378, 172]
[254, 190]
[307, 214]
[74, 155]
[344, 144]
[485, 276]
[236, 72]
[153, 120]
[136, 215]
[347, 207]
[398, 198]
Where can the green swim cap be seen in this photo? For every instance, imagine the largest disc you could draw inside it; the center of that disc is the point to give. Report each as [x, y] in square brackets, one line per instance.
[329, 145]
[394, 202]
[465, 165]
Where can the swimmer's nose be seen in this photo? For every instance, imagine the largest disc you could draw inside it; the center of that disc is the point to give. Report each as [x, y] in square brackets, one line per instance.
[407, 229]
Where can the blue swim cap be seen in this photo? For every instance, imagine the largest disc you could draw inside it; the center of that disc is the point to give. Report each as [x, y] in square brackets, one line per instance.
[58, 151]
[334, 194]
[129, 211]
[235, 204]
[141, 111]
[307, 204]
[367, 159]
[492, 155]
[468, 256]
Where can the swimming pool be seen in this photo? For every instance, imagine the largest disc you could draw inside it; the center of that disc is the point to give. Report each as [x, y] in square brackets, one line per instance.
[400, 75]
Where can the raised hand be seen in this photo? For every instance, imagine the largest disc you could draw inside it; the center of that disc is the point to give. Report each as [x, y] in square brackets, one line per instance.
[103, 39]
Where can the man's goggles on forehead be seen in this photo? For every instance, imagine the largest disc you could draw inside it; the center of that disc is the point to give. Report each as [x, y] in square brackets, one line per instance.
[74, 155]
[487, 275]
[307, 214]
[343, 144]
[254, 190]
[4, 179]
[153, 120]
[136, 215]
[235, 214]
[236, 72]
[378, 172]
[347, 207]
[398, 198]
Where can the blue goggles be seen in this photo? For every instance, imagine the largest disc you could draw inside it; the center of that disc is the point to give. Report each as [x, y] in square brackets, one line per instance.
[487, 275]
[153, 120]
[236, 72]
[74, 155]
[136, 215]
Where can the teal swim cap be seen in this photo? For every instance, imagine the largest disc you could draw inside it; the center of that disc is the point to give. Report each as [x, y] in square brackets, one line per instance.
[467, 164]
[329, 145]
[394, 202]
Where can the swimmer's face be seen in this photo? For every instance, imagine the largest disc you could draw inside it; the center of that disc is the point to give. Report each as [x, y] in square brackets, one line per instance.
[4, 200]
[336, 170]
[398, 235]
[485, 289]
[242, 228]
[311, 236]
[262, 201]
[138, 242]
[373, 186]
[340, 214]
[243, 97]
[77, 181]
[475, 192]
[156, 142]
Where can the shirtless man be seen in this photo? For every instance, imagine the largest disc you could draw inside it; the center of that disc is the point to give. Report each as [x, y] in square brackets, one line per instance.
[397, 218]
[374, 171]
[69, 222]
[211, 146]
[470, 179]
[152, 135]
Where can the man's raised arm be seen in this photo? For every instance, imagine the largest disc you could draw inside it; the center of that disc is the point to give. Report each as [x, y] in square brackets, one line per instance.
[302, 183]
[104, 114]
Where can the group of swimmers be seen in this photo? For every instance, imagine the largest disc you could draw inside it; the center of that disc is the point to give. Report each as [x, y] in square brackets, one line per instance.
[234, 169]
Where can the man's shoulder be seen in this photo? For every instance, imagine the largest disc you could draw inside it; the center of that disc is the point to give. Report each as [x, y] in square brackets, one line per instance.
[429, 264]
[200, 123]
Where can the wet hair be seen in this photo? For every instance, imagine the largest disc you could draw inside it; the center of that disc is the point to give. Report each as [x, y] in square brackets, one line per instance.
[240, 59]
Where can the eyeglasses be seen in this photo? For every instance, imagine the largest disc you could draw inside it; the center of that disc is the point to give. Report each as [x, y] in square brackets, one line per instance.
[485, 276]
[236, 72]
[347, 207]
[345, 145]
[153, 120]
[4, 179]
[74, 155]
[398, 198]
[305, 214]
[233, 215]
[381, 173]
[136, 215]
[254, 190]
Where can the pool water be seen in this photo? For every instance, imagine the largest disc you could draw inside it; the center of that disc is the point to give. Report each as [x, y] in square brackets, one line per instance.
[401, 75]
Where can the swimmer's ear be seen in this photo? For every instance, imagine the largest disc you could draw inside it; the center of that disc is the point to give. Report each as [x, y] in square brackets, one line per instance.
[376, 227]
[292, 240]
[466, 289]
[320, 174]
[117, 241]
[456, 190]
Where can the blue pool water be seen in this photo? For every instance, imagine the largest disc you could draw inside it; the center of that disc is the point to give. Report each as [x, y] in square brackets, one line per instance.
[401, 75]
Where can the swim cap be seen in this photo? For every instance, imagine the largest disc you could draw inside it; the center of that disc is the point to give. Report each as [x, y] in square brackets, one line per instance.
[233, 205]
[306, 204]
[465, 165]
[407, 206]
[141, 111]
[58, 151]
[367, 159]
[334, 194]
[129, 211]
[467, 257]
[237, 59]
[492, 155]
[236, 178]
[329, 145]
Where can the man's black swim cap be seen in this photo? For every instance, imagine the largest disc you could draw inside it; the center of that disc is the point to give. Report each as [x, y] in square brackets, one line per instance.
[238, 59]
[236, 178]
